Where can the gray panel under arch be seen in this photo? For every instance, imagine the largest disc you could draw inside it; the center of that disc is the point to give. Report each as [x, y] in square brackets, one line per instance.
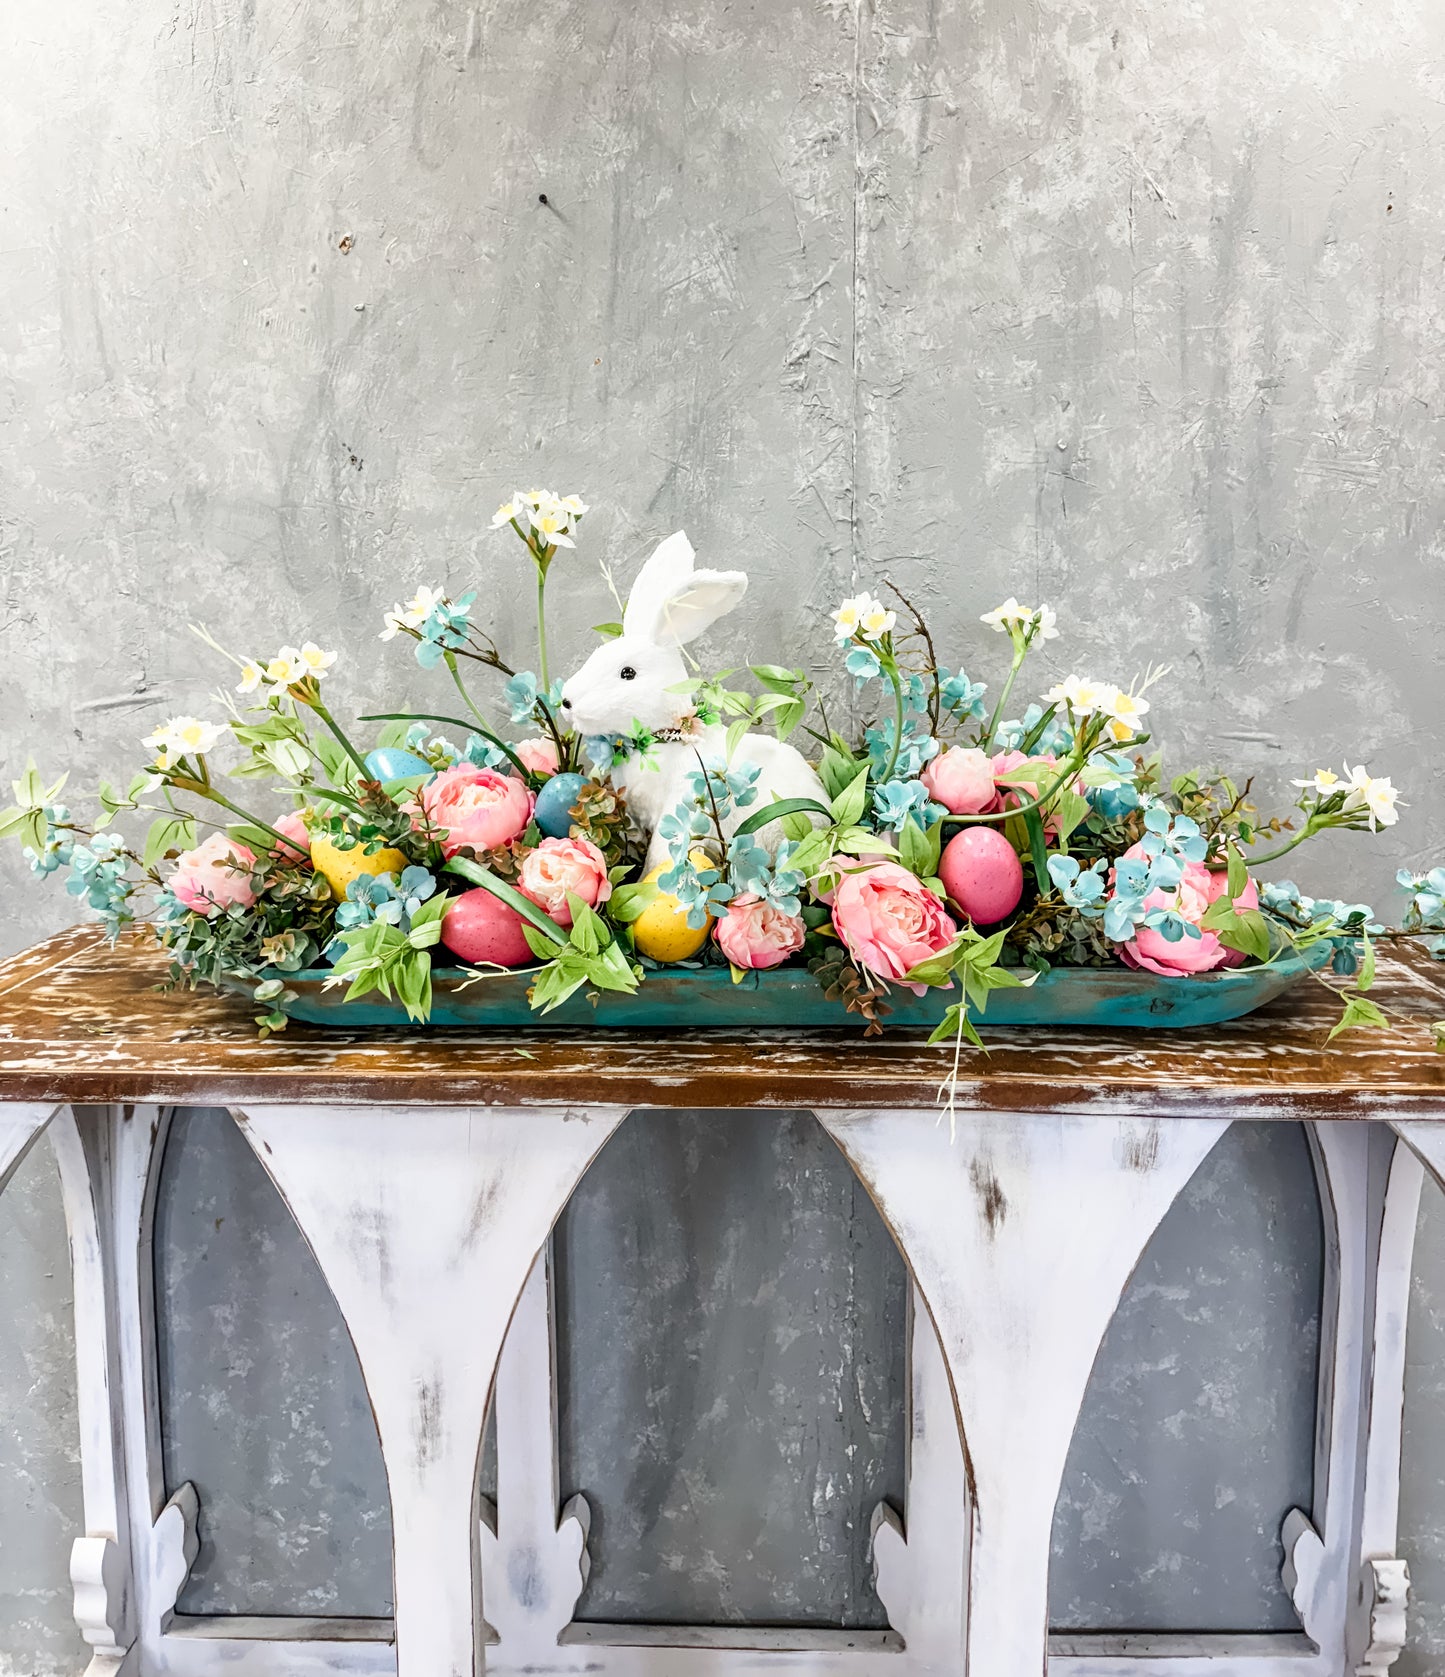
[731, 1319]
[261, 1399]
[1422, 1486]
[1197, 1431]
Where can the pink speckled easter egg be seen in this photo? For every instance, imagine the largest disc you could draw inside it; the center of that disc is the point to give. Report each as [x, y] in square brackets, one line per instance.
[982, 874]
[480, 928]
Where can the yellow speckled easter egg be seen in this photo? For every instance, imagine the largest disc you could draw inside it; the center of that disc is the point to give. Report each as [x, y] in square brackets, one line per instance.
[661, 931]
[340, 867]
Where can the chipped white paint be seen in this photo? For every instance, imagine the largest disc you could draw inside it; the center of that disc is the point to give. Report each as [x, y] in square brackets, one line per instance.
[20, 1124]
[1021, 1232]
[534, 1563]
[426, 1223]
[1021, 1235]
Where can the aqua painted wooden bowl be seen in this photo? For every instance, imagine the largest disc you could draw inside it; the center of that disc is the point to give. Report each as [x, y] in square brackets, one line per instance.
[699, 998]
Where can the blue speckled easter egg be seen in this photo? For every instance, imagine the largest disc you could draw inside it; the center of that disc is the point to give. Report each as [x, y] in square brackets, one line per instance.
[555, 800]
[390, 762]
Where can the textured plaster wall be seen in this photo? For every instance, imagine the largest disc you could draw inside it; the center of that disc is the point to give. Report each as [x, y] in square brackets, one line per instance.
[1130, 307]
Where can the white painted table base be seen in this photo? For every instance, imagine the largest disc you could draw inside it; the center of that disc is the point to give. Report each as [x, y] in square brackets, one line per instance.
[431, 1227]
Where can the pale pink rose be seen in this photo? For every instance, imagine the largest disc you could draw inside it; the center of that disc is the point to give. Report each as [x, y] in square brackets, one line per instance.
[215, 875]
[889, 920]
[539, 755]
[755, 934]
[962, 781]
[560, 865]
[1198, 888]
[297, 851]
[478, 808]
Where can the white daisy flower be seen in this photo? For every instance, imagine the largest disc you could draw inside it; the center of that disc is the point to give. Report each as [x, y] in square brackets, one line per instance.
[252, 676]
[1082, 694]
[286, 668]
[876, 621]
[1323, 781]
[184, 736]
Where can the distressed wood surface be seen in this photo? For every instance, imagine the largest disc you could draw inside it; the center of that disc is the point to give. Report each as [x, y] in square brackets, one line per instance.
[426, 1226]
[1021, 1236]
[80, 1021]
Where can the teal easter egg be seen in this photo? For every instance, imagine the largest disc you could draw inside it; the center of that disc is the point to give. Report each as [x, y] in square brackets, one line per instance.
[554, 802]
[390, 762]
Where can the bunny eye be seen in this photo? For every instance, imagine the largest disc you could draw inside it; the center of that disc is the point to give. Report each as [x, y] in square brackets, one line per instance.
[628, 673]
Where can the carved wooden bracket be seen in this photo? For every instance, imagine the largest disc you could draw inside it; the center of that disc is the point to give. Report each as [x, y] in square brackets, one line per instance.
[1378, 1615]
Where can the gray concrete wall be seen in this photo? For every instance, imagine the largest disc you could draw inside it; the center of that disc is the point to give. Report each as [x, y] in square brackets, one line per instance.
[1133, 308]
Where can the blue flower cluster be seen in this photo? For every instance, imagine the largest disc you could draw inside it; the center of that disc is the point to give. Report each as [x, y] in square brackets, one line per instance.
[895, 800]
[481, 753]
[1285, 901]
[702, 890]
[1168, 843]
[960, 696]
[385, 896]
[98, 873]
[1055, 740]
[1121, 799]
[58, 846]
[528, 703]
[754, 872]
[444, 629]
[916, 747]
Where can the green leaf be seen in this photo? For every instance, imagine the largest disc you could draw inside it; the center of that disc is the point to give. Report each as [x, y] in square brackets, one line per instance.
[1238, 874]
[290, 759]
[956, 1023]
[628, 902]
[836, 768]
[1438, 1031]
[29, 789]
[1359, 1011]
[795, 826]
[10, 820]
[779, 808]
[1249, 933]
[609, 631]
[475, 874]
[850, 803]
[1366, 975]
[589, 935]
[168, 832]
[32, 828]
[937, 970]
[735, 734]
[544, 948]
[777, 679]
[1038, 847]
[432, 911]
[1068, 809]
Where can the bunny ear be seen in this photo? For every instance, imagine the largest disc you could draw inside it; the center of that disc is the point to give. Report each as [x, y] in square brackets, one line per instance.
[708, 596]
[665, 574]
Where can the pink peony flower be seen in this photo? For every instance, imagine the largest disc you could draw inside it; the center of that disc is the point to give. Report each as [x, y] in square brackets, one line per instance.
[539, 755]
[962, 781]
[889, 920]
[297, 852]
[478, 808]
[560, 865]
[754, 934]
[1198, 888]
[215, 875]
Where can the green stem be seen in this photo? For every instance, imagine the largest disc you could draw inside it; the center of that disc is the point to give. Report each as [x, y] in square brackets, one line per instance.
[1020, 653]
[893, 676]
[203, 789]
[1307, 831]
[483, 725]
[342, 740]
[1070, 769]
[542, 565]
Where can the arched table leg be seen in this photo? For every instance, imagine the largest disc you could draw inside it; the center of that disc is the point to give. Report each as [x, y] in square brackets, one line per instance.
[19, 1125]
[425, 1222]
[1022, 1232]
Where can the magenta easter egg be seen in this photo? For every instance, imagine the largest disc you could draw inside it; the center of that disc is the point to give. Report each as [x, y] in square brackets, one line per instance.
[982, 874]
[478, 928]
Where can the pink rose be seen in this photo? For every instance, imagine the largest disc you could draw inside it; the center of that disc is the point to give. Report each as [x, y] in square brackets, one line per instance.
[962, 781]
[539, 755]
[560, 865]
[478, 808]
[1198, 888]
[297, 851]
[215, 875]
[889, 920]
[753, 933]
[1022, 791]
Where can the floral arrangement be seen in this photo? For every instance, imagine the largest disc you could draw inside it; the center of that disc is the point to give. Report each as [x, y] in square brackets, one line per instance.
[643, 815]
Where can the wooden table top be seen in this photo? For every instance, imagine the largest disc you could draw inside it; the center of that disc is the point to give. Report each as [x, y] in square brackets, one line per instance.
[80, 1021]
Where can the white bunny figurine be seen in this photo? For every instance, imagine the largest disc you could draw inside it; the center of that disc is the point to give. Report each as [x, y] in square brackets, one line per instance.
[635, 678]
